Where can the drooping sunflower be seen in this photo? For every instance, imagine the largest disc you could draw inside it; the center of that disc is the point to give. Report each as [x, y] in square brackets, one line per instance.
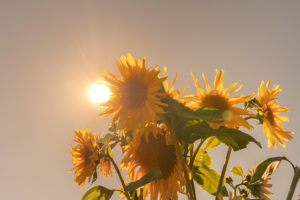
[149, 151]
[271, 119]
[218, 97]
[136, 95]
[85, 155]
[259, 189]
[170, 90]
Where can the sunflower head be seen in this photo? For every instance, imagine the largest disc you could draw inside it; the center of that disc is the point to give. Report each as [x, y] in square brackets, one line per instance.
[136, 94]
[85, 155]
[259, 189]
[149, 151]
[272, 121]
[218, 97]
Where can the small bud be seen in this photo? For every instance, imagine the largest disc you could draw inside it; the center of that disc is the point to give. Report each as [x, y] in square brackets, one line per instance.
[228, 180]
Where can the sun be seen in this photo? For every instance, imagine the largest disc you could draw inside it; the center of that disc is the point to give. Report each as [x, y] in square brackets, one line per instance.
[99, 93]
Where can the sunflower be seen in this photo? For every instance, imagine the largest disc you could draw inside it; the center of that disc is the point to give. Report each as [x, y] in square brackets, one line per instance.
[259, 189]
[149, 151]
[218, 97]
[136, 95]
[85, 155]
[271, 119]
[170, 90]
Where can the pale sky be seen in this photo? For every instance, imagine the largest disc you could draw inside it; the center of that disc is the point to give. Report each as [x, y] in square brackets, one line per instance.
[52, 51]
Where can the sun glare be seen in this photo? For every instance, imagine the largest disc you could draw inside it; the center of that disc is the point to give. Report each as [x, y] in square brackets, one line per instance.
[99, 93]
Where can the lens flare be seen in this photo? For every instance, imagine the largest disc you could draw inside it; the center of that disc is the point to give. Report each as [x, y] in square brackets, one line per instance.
[99, 93]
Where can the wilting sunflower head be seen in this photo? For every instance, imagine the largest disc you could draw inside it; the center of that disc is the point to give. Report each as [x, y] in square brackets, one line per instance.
[136, 95]
[170, 90]
[218, 97]
[85, 155]
[272, 121]
[149, 151]
[259, 189]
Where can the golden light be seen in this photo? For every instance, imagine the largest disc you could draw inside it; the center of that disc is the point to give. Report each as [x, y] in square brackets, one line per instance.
[99, 93]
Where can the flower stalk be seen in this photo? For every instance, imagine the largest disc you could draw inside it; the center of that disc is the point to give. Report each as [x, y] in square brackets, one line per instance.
[185, 171]
[223, 172]
[294, 183]
[120, 177]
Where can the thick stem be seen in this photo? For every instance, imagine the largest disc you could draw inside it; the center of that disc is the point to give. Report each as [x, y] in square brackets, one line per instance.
[190, 165]
[294, 183]
[185, 171]
[120, 176]
[223, 172]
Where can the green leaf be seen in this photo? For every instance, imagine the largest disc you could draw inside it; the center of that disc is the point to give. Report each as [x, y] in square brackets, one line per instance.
[237, 170]
[107, 138]
[192, 130]
[149, 177]
[206, 177]
[98, 193]
[182, 112]
[106, 148]
[205, 113]
[266, 168]
[202, 159]
[235, 138]
[211, 142]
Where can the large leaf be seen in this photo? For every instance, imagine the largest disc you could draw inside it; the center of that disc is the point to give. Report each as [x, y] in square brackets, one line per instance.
[205, 113]
[235, 138]
[192, 130]
[266, 168]
[149, 177]
[237, 170]
[202, 159]
[206, 177]
[190, 125]
[182, 112]
[98, 193]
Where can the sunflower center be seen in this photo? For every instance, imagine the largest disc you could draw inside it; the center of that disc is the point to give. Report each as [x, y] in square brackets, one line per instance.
[86, 153]
[216, 101]
[134, 94]
[156, 154]
[269, 115]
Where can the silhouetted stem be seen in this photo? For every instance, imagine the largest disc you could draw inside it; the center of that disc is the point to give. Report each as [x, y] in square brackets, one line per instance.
[294, 183]
[185, 171]
[120, 176]
[223, 172]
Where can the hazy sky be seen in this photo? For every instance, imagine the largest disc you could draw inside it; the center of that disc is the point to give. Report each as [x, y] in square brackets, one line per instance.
[52, 51]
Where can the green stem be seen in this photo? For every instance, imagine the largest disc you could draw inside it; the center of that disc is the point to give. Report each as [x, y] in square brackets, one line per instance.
[294, 183]
[223, 172]
[194, 154]
[234, 189]
[192, 181]
[190, 164]
[185, 171]
[120, 177]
